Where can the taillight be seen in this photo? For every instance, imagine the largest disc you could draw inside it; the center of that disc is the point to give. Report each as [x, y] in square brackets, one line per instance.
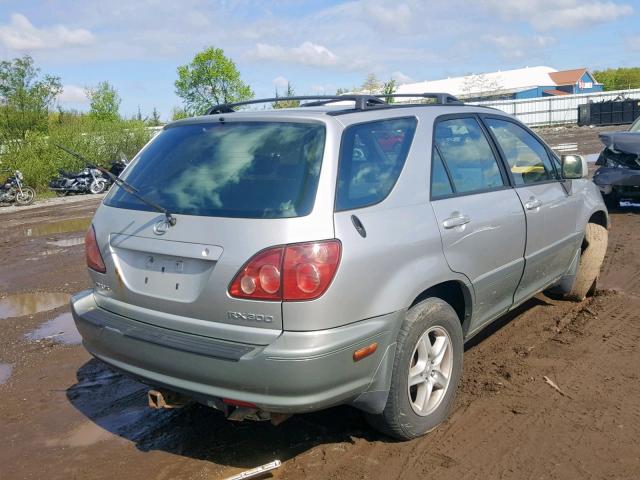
[309, 269]
[260, 278]
[294, 272]
[92, 252]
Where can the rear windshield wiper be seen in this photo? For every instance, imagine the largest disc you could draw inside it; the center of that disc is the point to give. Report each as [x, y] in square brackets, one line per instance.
[126, 186]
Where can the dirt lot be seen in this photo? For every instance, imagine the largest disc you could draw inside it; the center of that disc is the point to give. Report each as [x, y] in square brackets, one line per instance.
[64, 415]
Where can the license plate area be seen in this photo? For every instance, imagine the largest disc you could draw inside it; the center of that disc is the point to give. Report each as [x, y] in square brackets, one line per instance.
[163, 276]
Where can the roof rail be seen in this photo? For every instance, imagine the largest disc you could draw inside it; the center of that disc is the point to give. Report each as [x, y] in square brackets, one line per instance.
[440, 98]
[361, 101]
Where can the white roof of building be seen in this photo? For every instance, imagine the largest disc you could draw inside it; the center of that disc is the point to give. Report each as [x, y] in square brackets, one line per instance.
[506, 81]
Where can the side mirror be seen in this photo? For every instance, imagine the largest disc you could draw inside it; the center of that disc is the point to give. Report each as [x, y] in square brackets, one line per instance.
[574, 167]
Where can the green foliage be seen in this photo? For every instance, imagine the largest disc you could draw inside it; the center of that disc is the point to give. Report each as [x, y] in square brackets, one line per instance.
[104, 102]
[154, 121]
[210, 79]
[25, 98]
[389, 88]
[178, 113]
[286, 103]
[618, 78]
[38, 158]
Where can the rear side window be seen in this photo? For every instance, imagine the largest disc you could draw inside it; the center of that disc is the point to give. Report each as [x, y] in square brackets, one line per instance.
[527, 158]
[232, 169]
[371, 158]
[465, 150]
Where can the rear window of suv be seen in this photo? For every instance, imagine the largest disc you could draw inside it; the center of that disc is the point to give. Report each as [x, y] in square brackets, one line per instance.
[232, 169]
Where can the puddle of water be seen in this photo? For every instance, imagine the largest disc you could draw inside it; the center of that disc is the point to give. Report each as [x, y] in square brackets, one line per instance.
[30, 303]
[591, 157]
[5, 372]
[67, 242]
[61, 329]
[62, 226]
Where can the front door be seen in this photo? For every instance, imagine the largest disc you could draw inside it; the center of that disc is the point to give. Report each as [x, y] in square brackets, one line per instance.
[481, 221]
[552, 240]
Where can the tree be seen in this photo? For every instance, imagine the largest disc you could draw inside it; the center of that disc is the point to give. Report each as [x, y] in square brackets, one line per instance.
[25, 97]
[210, 79]
[154, 121]
[178, 113]
[389, 88]
[371, 85]
[342, 91]
[479, 86]
[618, 78]
[104, 102]
[286, 103]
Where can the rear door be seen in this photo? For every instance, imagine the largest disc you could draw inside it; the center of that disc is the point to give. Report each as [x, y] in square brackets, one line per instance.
[235, 188]
[552, 240]
[479, 215]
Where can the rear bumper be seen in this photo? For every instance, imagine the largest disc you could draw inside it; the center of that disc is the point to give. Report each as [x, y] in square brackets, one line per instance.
[298, 372]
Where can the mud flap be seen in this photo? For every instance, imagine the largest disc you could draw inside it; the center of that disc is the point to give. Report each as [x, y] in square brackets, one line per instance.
[565, 284]
[374, 398]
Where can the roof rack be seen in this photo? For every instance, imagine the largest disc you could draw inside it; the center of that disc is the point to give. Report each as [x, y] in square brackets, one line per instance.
[361, 101]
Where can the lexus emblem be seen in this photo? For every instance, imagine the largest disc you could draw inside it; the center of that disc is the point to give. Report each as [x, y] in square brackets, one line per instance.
[161, 227]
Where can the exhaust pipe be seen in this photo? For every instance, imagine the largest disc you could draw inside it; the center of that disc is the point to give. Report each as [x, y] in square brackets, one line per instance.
[161, 399]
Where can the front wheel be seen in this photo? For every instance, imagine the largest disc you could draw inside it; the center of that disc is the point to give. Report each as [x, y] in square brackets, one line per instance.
[26, 197]
[98, 186]
[426, 371]
[594, 249]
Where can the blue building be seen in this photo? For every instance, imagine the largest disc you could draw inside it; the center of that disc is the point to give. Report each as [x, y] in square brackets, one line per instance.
[566, 82]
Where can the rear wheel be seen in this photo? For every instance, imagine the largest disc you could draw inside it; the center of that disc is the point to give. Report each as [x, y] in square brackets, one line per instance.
[426, 371]
[26, 197]
[596, 239]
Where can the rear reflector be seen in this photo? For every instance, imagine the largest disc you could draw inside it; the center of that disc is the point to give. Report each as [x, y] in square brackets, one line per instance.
[92, 252]
[295, 272]
[365, 352]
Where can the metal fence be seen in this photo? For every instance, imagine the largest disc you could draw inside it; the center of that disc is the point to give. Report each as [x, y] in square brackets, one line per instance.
[554, 110]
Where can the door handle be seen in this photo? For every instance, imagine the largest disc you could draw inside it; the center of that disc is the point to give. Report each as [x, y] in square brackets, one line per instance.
[456, 221]
[532, 204]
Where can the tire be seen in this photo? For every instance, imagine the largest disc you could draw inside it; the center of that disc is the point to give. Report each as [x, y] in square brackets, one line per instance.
[27, 196]
[596, 239]
[611, 200]
[430, 320]
[61, 193]
[97, 186]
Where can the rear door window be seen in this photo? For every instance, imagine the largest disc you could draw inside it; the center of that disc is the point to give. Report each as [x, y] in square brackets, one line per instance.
[528, 159]
[371, 158]
[231, 169]
[465, 150]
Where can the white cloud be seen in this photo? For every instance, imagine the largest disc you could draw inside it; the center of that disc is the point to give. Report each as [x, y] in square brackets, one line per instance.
[73, 94]
[21, 35]
[397, 17]
[515, 47]
[559, 14]
[401, 78]
[280, 82]
[307, 53]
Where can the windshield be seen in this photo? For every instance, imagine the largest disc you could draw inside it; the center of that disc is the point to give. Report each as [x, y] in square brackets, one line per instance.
[234, 169]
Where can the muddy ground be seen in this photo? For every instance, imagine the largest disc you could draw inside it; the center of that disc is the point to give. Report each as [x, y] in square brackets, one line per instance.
[66, 416]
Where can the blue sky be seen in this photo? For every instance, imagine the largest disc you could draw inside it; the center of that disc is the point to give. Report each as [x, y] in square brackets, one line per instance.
[316, 45]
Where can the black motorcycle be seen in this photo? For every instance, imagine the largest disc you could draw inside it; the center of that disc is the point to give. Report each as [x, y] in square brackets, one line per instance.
[87, 180]
[13, 190]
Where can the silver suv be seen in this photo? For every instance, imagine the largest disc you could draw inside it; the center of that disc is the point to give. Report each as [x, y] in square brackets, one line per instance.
[273, 262]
